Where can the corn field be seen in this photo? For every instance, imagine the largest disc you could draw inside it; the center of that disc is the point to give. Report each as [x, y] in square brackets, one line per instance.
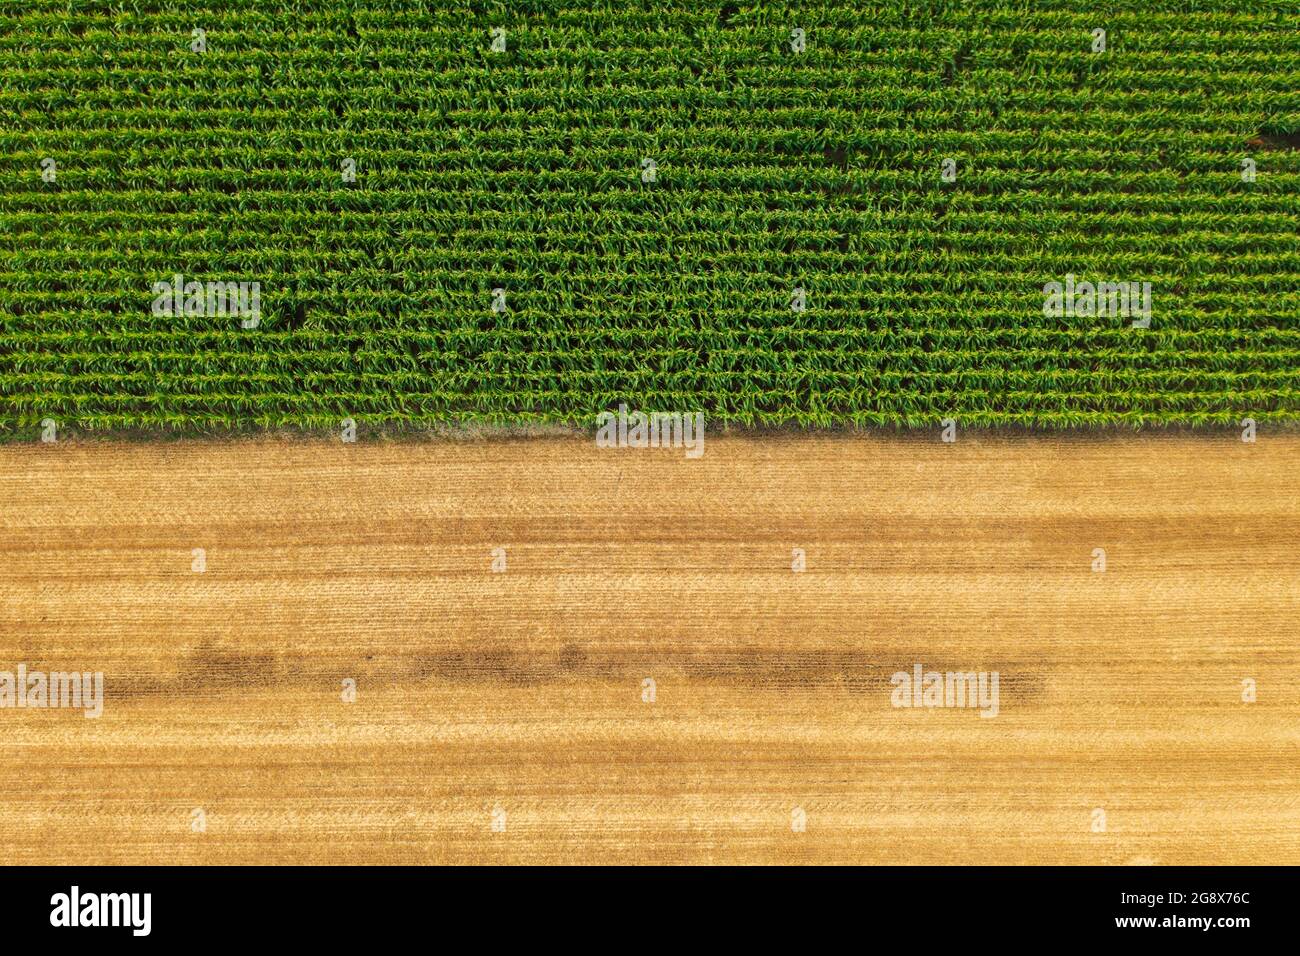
[778, 214]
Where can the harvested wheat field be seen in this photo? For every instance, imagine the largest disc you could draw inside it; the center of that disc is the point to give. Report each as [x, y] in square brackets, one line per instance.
[505, 715]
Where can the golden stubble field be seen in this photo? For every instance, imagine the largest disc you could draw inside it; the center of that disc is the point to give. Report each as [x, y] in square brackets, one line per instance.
[502, 716]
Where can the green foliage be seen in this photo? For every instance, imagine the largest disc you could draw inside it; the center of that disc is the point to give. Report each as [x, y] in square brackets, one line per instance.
[521, 170]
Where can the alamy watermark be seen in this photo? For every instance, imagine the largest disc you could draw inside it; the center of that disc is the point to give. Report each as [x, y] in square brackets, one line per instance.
[1101, 299]
[178, 297]
[651, 430]
[36, 689]
[75, 908]
[923, 688]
